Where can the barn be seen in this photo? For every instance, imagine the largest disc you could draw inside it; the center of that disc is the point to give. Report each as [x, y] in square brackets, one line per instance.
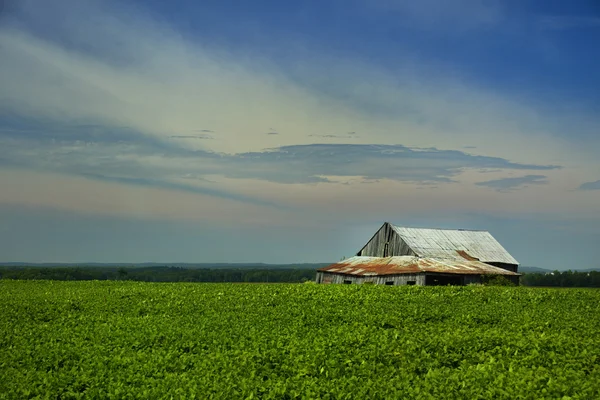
[417, 256]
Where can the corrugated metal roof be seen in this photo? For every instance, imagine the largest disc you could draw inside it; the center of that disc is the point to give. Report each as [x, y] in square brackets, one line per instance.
[370, 266]
[445, 243]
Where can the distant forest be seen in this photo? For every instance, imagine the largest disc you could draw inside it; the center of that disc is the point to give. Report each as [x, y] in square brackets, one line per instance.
[159, 274]
[563, 279]
[256, 275]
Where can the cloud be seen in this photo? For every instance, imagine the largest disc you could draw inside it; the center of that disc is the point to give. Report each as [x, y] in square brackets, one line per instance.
[349, 136]
[311, 163]
[192, 137]
[272, 133]
[173, 185]
[590, 186]
[133, 158]
[507, 184]
[111, 154]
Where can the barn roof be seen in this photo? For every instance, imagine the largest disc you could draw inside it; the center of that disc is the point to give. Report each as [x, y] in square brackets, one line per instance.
[373, 266]
[446, 243]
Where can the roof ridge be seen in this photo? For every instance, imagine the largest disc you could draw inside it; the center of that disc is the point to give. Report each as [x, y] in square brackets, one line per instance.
[439, 229]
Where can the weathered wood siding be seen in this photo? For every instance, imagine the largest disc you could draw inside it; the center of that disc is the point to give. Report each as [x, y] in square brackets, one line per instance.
[418, 279]
[508, 267]
[404, 279]
[376, 247]
[401, 279]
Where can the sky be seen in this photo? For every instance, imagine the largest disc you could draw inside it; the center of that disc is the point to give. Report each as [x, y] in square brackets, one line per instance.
[289, 132]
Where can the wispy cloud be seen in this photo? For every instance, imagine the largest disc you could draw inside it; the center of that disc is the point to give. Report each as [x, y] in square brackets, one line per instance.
[508, 184]
[131, 157]
[113, 155]
[330, 136]
[590, 186]
[309, 163]
[192, 137]
[182, 187]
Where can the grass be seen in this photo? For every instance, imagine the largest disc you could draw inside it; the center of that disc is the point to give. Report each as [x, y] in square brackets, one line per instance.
[229, 341]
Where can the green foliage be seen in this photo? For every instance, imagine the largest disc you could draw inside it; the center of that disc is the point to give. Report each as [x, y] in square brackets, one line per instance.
[135, 340]
[563, 279]
[496, 280]
[160, 274]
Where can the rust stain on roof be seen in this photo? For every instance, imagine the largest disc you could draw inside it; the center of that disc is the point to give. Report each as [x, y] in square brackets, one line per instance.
[466, 255]
[370, 266]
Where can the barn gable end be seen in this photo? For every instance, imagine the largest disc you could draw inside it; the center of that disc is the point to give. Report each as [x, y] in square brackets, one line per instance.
[385, 243]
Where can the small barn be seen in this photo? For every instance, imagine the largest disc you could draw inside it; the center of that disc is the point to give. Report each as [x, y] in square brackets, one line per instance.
[417, 256]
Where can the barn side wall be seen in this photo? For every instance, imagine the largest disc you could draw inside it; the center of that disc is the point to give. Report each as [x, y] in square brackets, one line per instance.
[398, 280]
[508, 267]
[403, 279]
[395, 245]
[319, 277]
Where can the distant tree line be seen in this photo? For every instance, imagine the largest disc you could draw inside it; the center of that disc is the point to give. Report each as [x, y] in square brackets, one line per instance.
[562, 279]
[159, 274]
[290, 275]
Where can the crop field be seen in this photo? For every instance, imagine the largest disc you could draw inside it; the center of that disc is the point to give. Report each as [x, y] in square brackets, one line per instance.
[99, 340]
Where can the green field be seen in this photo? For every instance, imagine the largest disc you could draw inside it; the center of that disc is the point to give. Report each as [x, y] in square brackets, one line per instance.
[127, 340]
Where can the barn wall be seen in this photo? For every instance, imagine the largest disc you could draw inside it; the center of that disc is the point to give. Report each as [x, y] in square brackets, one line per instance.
[319, 277]
[376, 246]
[508, 267]
[400, 279]
[403, 279]
[330, 277]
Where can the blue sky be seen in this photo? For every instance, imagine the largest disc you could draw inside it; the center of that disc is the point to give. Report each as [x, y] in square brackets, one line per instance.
[232, 131]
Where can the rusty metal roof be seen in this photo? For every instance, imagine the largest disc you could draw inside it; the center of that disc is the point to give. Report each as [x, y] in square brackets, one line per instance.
[446, 243]
[372, 266]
